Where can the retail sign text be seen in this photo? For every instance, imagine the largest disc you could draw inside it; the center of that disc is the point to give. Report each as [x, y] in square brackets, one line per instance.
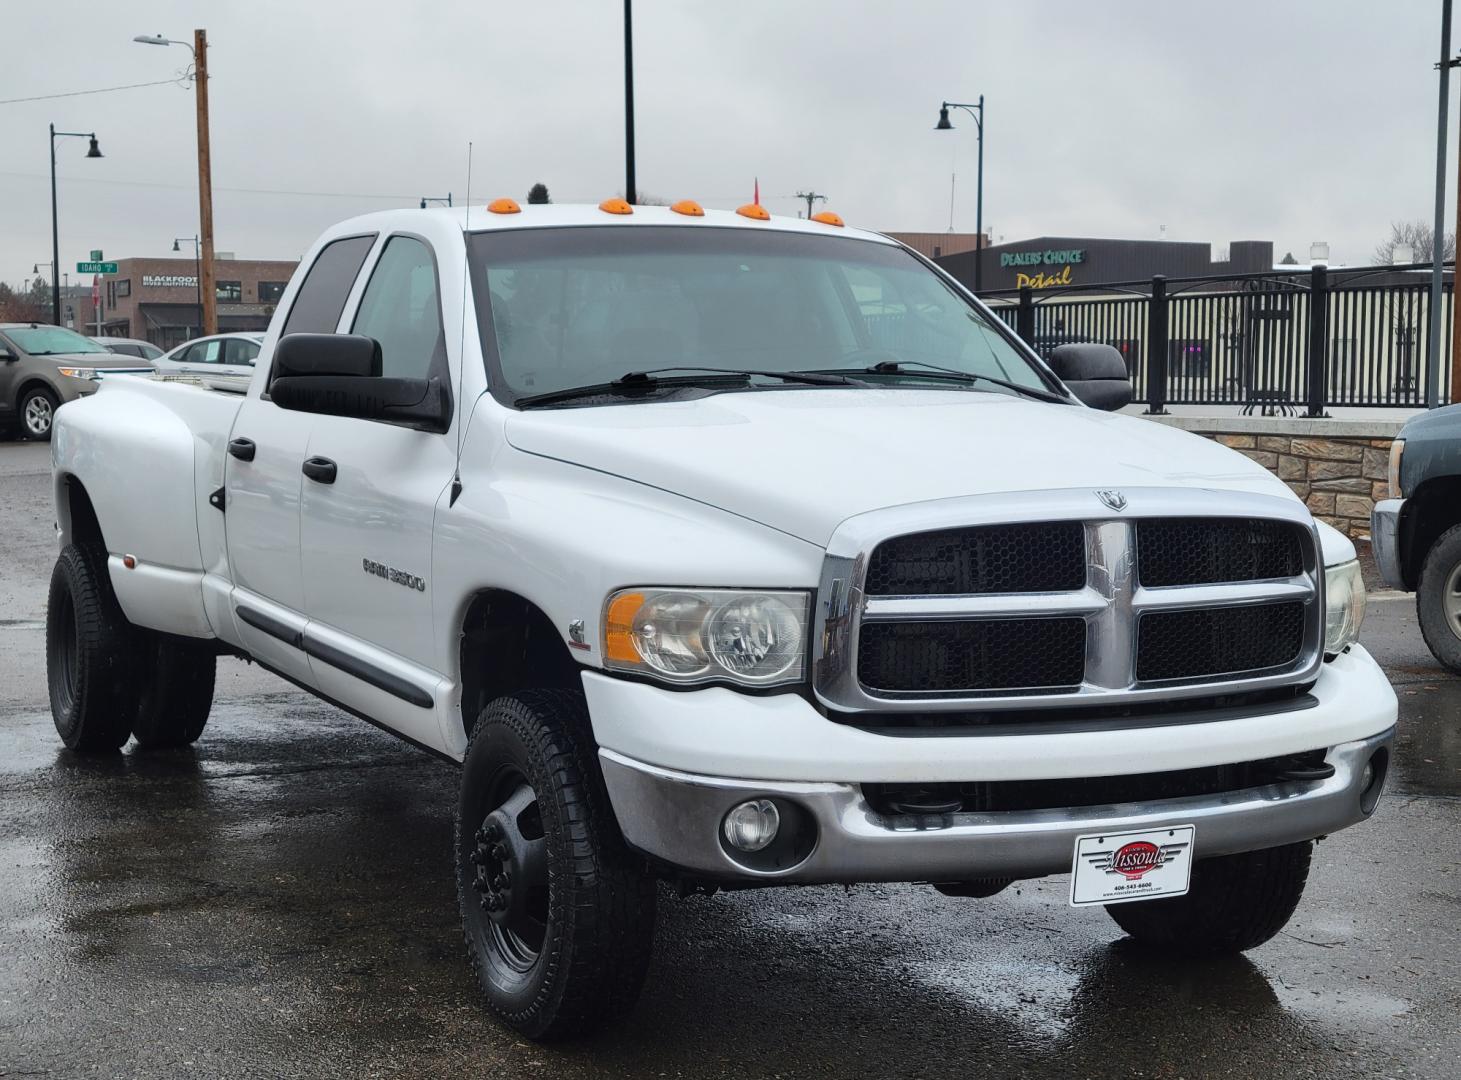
[1042, 280]
[168, 281]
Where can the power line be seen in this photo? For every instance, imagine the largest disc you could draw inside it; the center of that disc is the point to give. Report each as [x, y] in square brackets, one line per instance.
[81, 93]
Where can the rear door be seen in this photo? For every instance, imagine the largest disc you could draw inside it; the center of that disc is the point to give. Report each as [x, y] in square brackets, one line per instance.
[366, 533]
[263, 476]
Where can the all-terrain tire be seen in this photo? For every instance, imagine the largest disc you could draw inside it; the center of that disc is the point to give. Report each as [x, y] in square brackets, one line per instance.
[600, 904]
[1235, 903]
[1438, 599]
[91, 654]
[38, 413]
[175, 690]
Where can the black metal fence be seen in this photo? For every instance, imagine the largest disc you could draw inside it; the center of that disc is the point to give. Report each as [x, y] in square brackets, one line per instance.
[1280, 342]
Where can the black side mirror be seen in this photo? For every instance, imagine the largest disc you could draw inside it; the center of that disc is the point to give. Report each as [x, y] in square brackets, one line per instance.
[1095, 373]
[340, 375]
[6, 356]
[327, 354]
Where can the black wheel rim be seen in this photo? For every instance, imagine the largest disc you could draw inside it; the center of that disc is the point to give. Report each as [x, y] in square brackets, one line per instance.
[510, 877]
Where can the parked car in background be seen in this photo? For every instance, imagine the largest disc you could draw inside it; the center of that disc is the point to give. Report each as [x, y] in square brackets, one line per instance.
[219, 354]
[1416, 532]
[126, 346]
[42, 367]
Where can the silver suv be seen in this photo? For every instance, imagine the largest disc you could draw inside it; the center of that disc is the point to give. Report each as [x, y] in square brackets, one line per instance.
[42, 367]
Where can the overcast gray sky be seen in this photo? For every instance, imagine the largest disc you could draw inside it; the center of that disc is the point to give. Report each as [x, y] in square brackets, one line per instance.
[1289, 120]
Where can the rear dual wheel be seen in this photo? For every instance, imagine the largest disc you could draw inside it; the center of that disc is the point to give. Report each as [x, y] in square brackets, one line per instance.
[109, 679]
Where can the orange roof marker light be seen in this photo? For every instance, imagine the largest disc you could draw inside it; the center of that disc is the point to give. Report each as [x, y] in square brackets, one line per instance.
[616, 206]
[504, 206]
[826, 217]
[688, 207]
[754, 211]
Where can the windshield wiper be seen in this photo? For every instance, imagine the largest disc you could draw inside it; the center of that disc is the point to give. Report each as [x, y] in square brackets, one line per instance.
[640, 382]
[947, 374]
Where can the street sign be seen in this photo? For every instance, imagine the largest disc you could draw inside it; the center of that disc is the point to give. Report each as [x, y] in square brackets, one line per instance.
[96, 268]
[96, 254]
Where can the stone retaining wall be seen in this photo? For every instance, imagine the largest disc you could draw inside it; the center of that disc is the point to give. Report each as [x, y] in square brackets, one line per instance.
[1337, 467]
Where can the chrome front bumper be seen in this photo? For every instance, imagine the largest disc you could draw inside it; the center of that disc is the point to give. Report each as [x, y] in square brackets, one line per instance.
[1385, 541]
[676, 817]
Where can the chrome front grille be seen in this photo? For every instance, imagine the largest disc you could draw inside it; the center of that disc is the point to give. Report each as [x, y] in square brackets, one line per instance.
[1045, 598]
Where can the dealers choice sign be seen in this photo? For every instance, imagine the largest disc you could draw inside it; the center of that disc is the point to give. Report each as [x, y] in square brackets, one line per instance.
[1042, 279]
[169, 281]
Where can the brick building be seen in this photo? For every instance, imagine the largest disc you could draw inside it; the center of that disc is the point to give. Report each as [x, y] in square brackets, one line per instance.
[157, 299]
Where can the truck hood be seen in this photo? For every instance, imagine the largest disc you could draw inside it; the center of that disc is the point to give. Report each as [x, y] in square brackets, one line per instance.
[803, 461]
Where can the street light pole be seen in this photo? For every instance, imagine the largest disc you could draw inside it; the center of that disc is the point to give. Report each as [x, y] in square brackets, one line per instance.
[197, 273]
[977, 112]
[629, 192]
[92, 152]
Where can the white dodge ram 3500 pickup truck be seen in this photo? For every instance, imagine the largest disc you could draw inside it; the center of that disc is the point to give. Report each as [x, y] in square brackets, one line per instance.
[728, 552]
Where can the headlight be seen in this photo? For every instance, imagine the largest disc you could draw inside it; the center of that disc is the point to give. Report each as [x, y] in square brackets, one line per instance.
[79, 373]
[1393, 473]
[1344, 590]
[703, 635]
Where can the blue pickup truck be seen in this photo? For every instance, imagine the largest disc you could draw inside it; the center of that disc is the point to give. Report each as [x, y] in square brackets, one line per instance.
[1417, 531]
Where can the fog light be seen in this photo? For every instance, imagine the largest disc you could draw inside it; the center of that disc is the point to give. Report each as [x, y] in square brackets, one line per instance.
[752, 825]
[1367, 777]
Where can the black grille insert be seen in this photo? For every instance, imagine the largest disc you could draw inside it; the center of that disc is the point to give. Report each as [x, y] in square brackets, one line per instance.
[995, 796]
[991, 654]
[1041, 557]
[1218, 641]
[1194, 551]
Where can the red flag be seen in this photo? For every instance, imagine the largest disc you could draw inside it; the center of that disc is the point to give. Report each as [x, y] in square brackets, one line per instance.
[757, 197]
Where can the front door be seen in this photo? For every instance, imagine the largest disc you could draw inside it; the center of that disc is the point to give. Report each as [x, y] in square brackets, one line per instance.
[368, 511]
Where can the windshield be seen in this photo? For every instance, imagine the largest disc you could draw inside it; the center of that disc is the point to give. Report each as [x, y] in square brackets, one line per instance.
[564, 308]
[46, 340]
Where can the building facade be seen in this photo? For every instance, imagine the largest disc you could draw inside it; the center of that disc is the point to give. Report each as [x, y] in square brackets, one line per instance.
[937, 245]
[1054, 261]
[157, 299]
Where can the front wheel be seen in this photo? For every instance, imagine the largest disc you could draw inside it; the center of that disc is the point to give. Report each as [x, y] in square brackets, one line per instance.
[1438, 599]
[557, 913]
[37, 413]
[1235, 903]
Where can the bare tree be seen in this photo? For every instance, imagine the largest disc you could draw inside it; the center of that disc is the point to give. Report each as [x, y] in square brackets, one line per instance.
[1419, 235]
[22, 306]
[538, 195]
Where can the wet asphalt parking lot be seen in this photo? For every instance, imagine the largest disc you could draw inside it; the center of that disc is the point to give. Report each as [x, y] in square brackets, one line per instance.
[277, 902]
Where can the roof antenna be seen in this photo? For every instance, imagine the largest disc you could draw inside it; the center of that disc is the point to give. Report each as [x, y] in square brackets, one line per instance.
[456, 477]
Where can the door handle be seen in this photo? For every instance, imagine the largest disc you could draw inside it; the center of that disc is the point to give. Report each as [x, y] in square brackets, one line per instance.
[243, 449]
[320, 469]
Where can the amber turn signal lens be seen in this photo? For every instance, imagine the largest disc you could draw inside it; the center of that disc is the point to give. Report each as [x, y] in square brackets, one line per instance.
[754, 211]
[616, 206]
[688, 207]
[619, 628]
[826, 217]
[503, 206]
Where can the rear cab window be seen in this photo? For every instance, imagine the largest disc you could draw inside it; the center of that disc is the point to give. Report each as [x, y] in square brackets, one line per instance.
[321, 298]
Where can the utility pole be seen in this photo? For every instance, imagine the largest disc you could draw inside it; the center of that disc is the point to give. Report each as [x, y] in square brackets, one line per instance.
[205, 186]
[629, 194]
[811, 197]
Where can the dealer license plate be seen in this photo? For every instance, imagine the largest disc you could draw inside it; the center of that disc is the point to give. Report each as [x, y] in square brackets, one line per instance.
[1114, 868]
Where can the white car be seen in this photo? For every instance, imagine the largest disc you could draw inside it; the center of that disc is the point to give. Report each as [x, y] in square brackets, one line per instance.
[726, 551]
[218, 355]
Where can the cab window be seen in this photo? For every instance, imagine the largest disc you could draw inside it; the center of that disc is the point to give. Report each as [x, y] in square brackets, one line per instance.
[401, 309]
[321, 297]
